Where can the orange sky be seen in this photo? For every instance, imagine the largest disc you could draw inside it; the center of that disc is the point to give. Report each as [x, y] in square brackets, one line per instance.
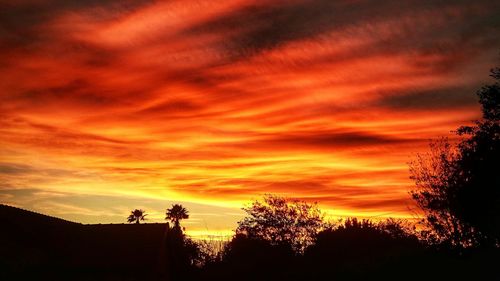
[106, 106]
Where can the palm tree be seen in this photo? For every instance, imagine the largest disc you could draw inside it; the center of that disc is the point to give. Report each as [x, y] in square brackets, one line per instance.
[176, 214]
[136, 216]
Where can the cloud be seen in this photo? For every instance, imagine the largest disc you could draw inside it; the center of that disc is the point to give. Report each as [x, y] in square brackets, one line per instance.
[429, 99]
[256, 27]
[217, 102]
[337, 139]
[9, 168]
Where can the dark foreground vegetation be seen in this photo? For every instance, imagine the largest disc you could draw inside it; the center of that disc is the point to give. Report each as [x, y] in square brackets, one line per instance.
[38, 247]
[457, 188]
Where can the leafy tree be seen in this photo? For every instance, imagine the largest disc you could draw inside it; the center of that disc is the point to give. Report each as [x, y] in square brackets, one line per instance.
[478, 169]
[398, 228]
[435, 193]
[136, 216]
[458, 186]
[176, 214]
[246, 258]
[391, 228]
[182, 253]
[282, 221]
[362, 247]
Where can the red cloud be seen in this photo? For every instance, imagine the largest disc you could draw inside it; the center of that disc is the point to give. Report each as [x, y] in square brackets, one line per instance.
[219, 103]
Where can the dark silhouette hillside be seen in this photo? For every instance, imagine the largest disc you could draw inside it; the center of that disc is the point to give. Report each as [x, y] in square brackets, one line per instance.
[41, 247]
[14, 215]
[33, 240]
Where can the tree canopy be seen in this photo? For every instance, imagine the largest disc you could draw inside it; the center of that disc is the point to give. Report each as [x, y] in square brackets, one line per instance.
[136, 216]
[176, 214]
[282, 221]
[458, 186]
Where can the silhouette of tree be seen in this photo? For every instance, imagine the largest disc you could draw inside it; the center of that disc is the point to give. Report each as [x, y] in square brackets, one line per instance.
[282, 221]
[256, 259]
[182, 253]
[136, 216]
[435, 193]
[359, 247]
[477, 177]
[458, 187]
[176, 214]
[398, 228]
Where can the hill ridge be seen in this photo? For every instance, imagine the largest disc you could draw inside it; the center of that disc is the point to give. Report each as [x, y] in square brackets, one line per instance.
[4, 208]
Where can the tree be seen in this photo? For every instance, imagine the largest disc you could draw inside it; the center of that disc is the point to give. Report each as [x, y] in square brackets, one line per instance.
[380, 250]
[458, 186]
[136, 216]
[435, 192]
[477, 175]
[182, 253]
[246, 258]
[176, 214]
[282, 221]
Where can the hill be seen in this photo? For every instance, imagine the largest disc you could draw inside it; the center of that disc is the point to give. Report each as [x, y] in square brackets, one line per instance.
[44, 247]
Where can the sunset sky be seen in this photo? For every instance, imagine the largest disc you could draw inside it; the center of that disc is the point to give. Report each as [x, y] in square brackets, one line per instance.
[107, 106]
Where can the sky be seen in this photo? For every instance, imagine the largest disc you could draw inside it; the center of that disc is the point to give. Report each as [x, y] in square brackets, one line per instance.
[108, 106]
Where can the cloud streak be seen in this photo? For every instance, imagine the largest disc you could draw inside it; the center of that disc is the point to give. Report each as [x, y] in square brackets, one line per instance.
[218, 102]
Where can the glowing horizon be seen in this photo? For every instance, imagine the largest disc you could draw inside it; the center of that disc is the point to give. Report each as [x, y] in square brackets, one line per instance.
[108, 107]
